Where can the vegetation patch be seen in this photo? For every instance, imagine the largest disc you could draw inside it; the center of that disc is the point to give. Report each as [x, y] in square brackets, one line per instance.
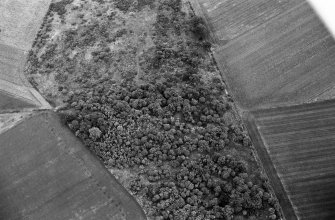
[140, 89]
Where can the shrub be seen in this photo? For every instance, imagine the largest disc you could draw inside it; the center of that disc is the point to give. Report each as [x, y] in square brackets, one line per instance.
[60, 7]
[198, 27]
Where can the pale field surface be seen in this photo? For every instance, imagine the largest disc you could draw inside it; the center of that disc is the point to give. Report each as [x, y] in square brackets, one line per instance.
[19, 24]
[20, 21]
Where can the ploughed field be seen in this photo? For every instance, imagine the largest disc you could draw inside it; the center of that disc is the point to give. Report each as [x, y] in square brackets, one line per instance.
[47, 173]
[300, 141]
[273, 52]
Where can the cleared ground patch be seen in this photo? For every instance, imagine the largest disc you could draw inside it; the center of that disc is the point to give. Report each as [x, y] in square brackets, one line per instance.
[299, 142]
[272, 53]
[48, 174]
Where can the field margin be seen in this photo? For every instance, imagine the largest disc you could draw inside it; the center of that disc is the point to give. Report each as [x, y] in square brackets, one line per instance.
[269, 168]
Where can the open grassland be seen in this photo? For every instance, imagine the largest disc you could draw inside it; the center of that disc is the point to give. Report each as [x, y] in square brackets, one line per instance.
[47, 173]
[20, 21]
[272, 53]
[299, 141]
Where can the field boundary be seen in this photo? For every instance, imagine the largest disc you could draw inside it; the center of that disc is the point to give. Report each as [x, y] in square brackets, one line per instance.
[118, 202]
[250, 111]
[198, 9]
[296, 107]
[275, 182]
[87, 161]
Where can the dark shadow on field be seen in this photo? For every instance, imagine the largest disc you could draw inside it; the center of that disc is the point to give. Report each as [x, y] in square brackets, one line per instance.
[8, 102]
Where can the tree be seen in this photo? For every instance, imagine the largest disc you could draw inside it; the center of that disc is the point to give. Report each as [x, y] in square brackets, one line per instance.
[95, 133]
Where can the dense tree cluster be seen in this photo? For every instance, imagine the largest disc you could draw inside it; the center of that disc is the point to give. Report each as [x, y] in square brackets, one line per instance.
[158, 116]
[209, 187]
[178, 136]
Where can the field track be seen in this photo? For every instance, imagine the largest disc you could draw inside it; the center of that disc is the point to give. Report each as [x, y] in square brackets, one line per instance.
[47, 173]
[281, 45]
[300, 141]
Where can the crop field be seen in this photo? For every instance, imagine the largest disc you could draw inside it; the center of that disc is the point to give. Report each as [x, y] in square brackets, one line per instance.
[20, 21]
[272, 53]
[299, 149]
[48, 174]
